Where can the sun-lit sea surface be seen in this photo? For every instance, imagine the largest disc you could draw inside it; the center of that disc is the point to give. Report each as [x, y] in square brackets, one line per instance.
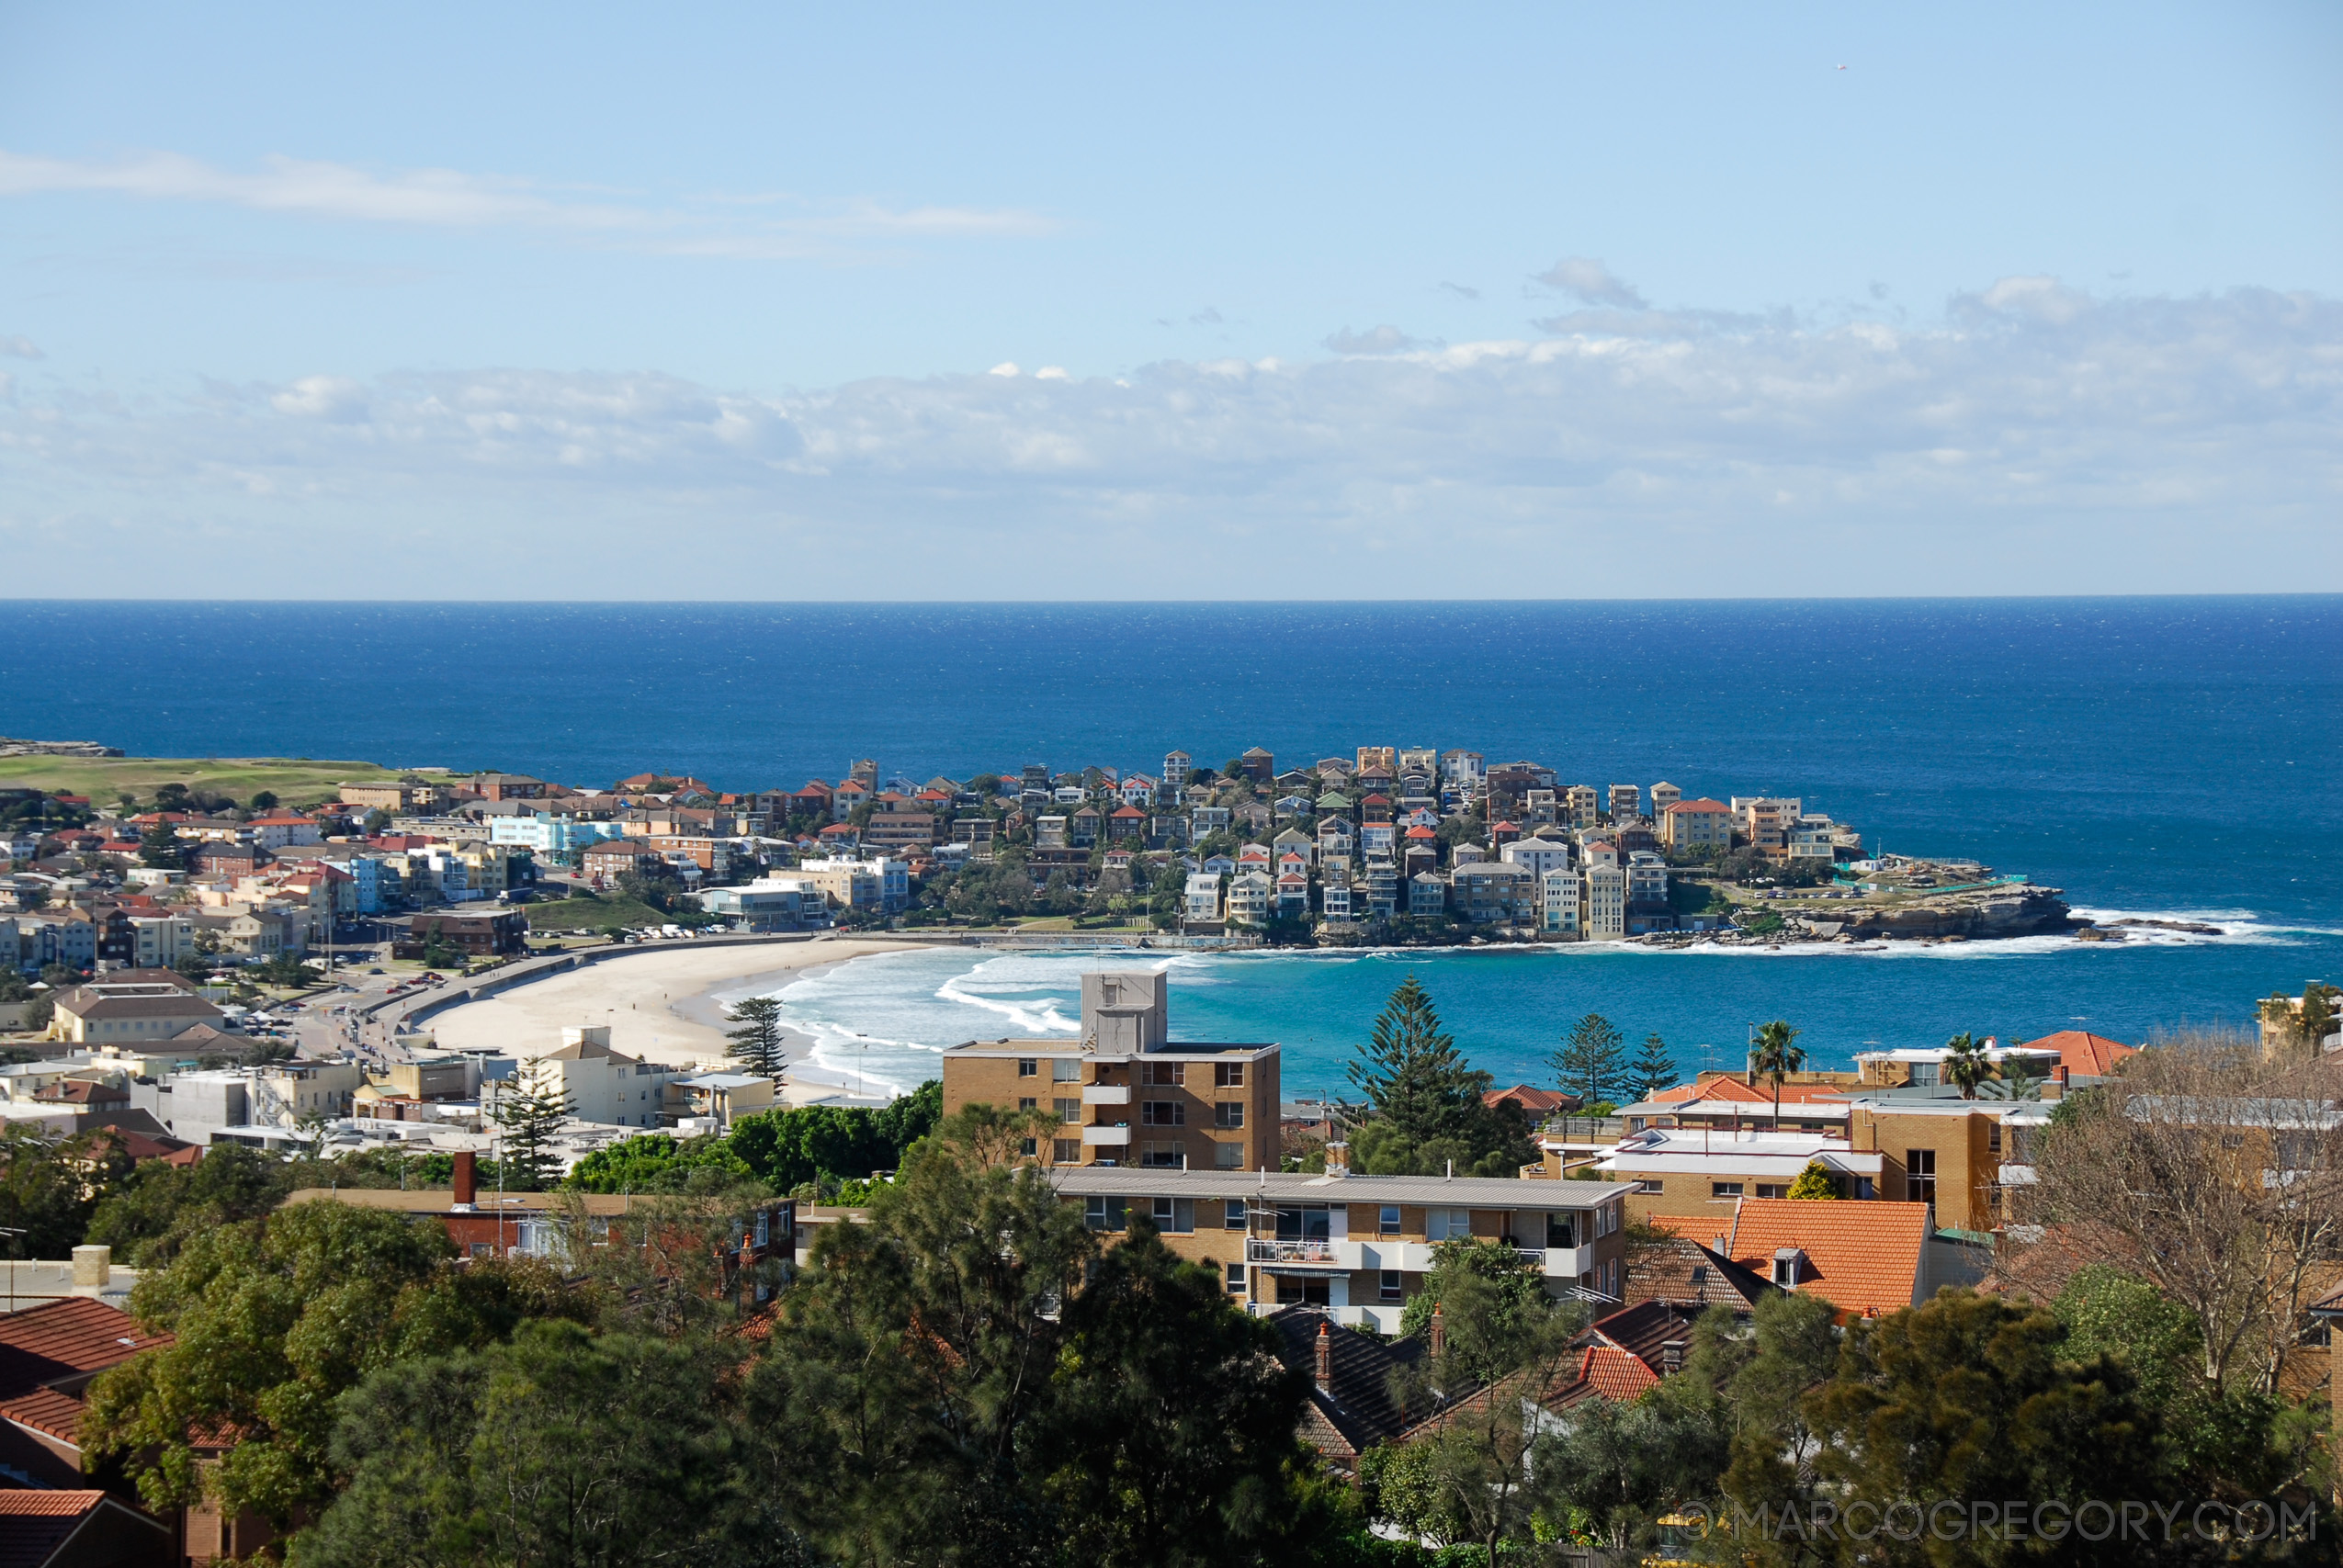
[2172, 757]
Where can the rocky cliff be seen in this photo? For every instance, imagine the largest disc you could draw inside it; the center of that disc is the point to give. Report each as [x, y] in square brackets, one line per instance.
[1981, 916]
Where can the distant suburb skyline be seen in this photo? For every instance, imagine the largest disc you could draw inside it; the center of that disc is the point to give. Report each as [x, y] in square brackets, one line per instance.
[776, 302]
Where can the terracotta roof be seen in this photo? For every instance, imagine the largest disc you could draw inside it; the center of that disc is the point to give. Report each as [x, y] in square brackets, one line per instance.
[1861, 1257]
[2081, 1053]
[1612, 1373]
[48, 1504]
[1759, 1093]
[1532, 1101]
[47, 1412]
[1702, 806]
[58, 1339]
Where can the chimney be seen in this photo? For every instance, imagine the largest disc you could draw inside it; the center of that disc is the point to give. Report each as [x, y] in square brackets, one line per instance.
[1325, 1358]
[2059, 1075]
[1672, 1357]
[466, 1178]
[1439, 1332]
[93, 1268]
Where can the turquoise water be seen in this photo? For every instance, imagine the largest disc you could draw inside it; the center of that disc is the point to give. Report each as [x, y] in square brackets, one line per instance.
[2149, 756]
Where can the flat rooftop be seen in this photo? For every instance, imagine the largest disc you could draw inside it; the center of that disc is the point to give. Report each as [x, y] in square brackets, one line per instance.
[1007, 1047]
[1462, 1192]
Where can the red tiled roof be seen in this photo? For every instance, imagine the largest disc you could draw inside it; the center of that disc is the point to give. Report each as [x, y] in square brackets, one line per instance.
[1861, 1257]
[1615, 1374]
[48, 1504]
[2081, 1053]
[1421, 833]
[73, 1334]
[1759, 1093]
[1531, 1100]
[1702, 806]
[47, 1412]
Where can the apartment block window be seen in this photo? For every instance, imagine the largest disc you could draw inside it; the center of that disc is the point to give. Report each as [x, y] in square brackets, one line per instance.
[1725, 1189]
[1170, 1154]
[1064, 1070]
[1920, 1175]
[1164, 1073]
[1388, 1286]
[1229, 1157]
[1232, 1215]
[1103, 1214]
[1772, 1190]
[1027, 1148]
[1236, 1279]
[1162, 1113]
[1993, 1137]
[1230, 1114]
[1065, 1151]
[1388, 1223]
[1027, 1103]
[1562, 1231]
[1175, 1217]
[1228, 1074]
[1028, 1066]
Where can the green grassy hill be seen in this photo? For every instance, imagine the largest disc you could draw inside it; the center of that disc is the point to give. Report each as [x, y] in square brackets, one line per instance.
[297, 781]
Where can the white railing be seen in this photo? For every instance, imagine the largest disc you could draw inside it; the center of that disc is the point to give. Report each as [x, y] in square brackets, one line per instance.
[1258, 1251]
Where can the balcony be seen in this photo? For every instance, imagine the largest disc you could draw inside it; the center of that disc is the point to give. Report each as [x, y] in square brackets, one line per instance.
[1107, 1094]
[1314, 1254]
[1106, 1137]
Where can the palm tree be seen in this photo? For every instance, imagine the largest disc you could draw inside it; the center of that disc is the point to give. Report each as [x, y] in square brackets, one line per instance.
[1776, 1056]
[1965, 1063]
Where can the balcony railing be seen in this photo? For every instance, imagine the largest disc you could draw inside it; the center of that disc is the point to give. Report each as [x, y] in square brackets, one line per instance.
[1260, 1251]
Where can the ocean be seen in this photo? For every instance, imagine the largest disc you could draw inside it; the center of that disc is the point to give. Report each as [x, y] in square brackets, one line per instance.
[2174, 757]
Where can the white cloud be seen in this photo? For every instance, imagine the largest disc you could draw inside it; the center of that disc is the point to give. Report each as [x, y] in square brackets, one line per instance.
[1591, 281]
[20, 349]
[2035, 441]
[1379, 339]
[730, 227]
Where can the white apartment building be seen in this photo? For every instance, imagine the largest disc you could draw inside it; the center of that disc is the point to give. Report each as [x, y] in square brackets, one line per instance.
[162, 939]
[1202, 901]
[1602, 915]
[1536, 856]
[1560, 904]
[1249, 895]
[599, 1084]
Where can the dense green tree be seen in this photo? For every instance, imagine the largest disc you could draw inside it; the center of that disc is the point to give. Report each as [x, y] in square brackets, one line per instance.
[1593, 1061]
[655, 1162]
[1777, 1055]
[148, 1215]
[758, 1044]
[1653, 1069]
[1428, 1110]
[1174, 1417]
[791, 1148]
[271, 1321]
[1792, 1350]
[1968, 1397]
[49, 1186]
[1815, 1182]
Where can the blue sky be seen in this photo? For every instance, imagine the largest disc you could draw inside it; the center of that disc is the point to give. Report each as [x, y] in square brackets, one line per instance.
[1347, 301]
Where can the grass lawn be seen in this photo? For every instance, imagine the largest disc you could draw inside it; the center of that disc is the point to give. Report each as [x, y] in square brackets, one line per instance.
[594, 914]
[296, 781]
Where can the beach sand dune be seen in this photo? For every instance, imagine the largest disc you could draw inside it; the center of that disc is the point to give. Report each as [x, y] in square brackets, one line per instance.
[661, 1006]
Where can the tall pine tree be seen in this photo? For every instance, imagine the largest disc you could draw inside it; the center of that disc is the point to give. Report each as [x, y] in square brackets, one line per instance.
[757, 1044]
[1654, 1068]
[1593, 1062]
[529, 1114]
[1412, 1074]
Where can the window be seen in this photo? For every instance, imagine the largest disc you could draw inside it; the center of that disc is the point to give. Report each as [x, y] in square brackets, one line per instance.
[1388, 1222]
[1725, 1189]
[1166, 1074]
[1065, 1151]
[1027, 1103]
[1103, 1214]
[1028, 1066]
[1236, 1279]
[1303, 1222]
[1027, 1148]
[763, 1227]
[1068, 1110]
[1993, 1137]
[1175, 1217]
[1229, 1157]
[1064, 1070]
[1562, 1230]
[1700, 1275]
[1388, 1288]
[1232, 1215]
[1228, 1115]
[1228, 1074]
[1162, 1113]
[1772, 1190]
[1443, 1224]
[1920, 1175]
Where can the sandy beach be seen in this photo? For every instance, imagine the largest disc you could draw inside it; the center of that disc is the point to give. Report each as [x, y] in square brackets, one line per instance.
[663, 1006]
